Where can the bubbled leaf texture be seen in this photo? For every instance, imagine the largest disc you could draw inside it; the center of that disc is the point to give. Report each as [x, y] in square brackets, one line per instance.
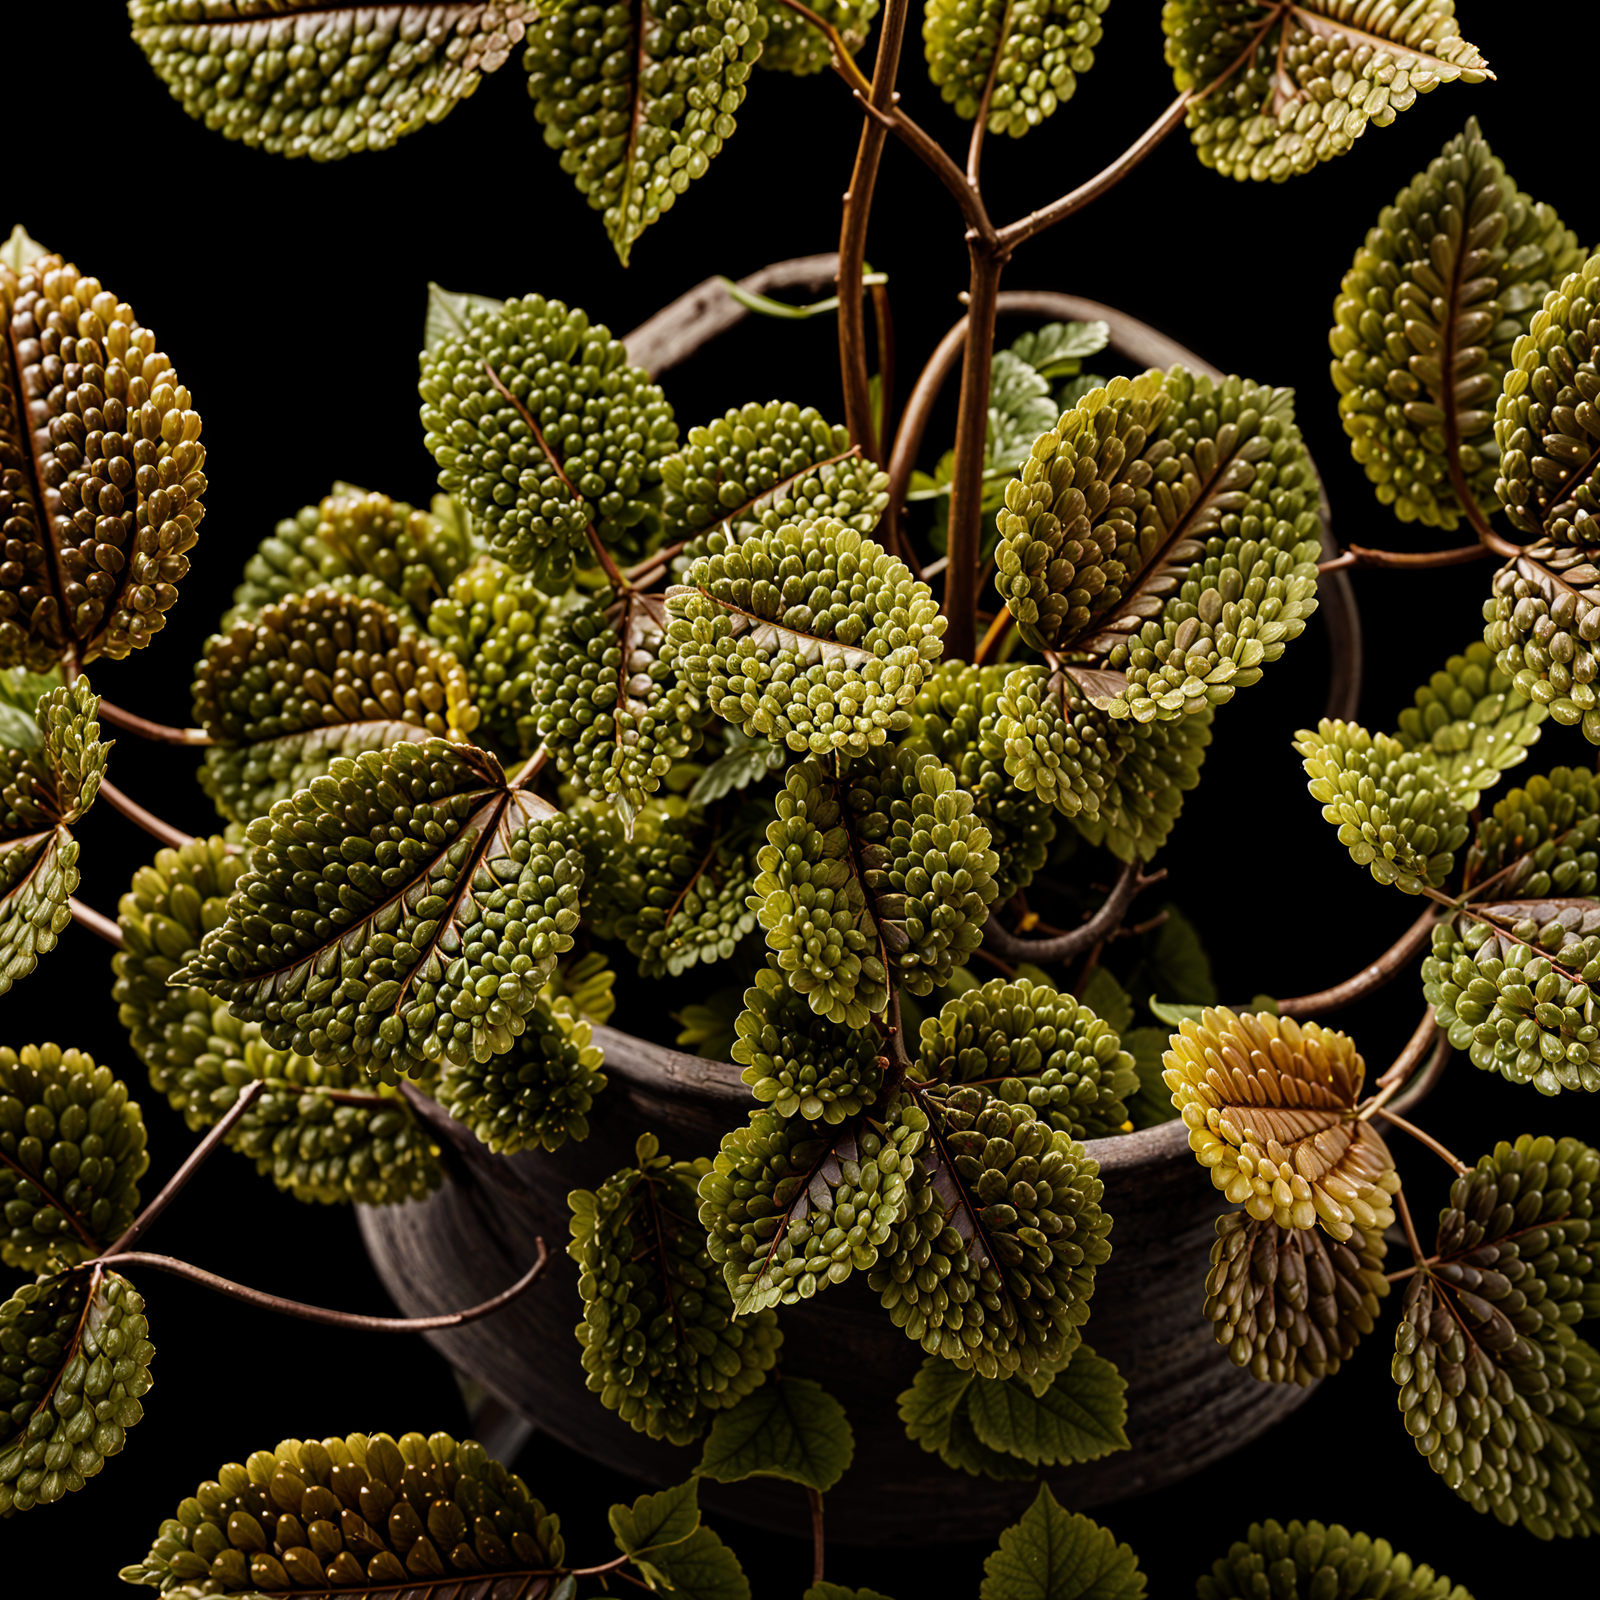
[1396, 812]
[311, 678]
[538, 1094]
[1510, 974]
[359, 542]
[680, 895]
[320, 79]
[1028, 1042]
[100, 471]
[995, 1262]
[343, 1514]
[1269, 1105]
[403, 910]
[1499, 1393]
[321, 1132]
[489, 621]
[1308, 1561]
[793, 45]
[956, 716]
[72, 1150]
[1288, 1303]
[790, 1209]
[1120, 782]
[800, 1064]
[660, 1341]
[809, 634]
[638, 98]
[1023, 55]
[545, 432]
[608, 708]
[51, 765]
[1451, 275]
[74, 1362]
[1468, 720]
[1313, 76]
[1163, 538]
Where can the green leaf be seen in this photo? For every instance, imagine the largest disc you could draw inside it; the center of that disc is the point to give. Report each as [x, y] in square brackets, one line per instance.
[834, 1591]
[1172, 960]
[655, 1520]
[447, 313]
[765, 306]
[1054, 1555]
[1079, 1417]
[934, 1410]
[366, 81]
[1015, 60]
[790, 1429]
[19, 252]
[701, 1567]
[1409, 294]
[639, 98]
[794, 45]
[1151, 1103]
[1276, 89]
[1109, 1001]
[743, 762]
[1057, 349]
[1311, 1560]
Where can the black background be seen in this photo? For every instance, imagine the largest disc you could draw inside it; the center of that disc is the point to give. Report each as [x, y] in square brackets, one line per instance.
[290, 297]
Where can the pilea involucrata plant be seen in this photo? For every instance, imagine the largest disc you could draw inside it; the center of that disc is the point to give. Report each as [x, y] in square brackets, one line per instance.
[817, 728]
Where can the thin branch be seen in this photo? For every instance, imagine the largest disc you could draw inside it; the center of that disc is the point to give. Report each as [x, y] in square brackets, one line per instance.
[201, 1153]
[87, 917]
[148, 820]
[156, 732]
[1410, 1227]
[816, 1533]
[1370, 978]
[937, 160]
[1067, 945]
[1462, 1169]
[332, 1319]
[883, 329]
[1423, 1041]
[996, 632]
[1360, 555]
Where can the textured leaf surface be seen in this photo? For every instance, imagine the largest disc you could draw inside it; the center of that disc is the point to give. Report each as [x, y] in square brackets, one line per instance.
[74, 1362]
[660, 1341]
[319, 78]
[743, 761]
[1015, 60]
[368, 1515]
[100, 471]
[309, 679]
[934, 1410]
[546, 478]
[1303, 81]
[352, 944]
[702, 1567]
[447, 313]
[1308, 1561]
[1269, 1106]
[834, 1591]
[1500, 1395]
[638, 98]
[1425, 321]
[1079, 1417]
[789, 1428]
[656, 1520]
[800, 1064]
[1055, 1555]
[1162, 488]
[793, 45]
[72, 1150]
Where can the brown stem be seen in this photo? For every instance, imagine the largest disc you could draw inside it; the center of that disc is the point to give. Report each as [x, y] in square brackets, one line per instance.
[853, 233]
[332, 1319]
[883, 328]
[816, 1534]
[1067, 945]
[156, 732]
[1360, 555]
[996, 632]
[148, 820]
[201, 1153]
[1423, 1041]
[972, 432]
[1410, 1227]
[1370, 978]
[87, 917]
[1462, 1169]
[839, 55]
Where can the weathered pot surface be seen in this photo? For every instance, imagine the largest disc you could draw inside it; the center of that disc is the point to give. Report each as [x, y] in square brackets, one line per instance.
[1188, 1405]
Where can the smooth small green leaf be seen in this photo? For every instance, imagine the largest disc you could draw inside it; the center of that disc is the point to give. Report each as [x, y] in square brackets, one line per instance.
[656, 1520]
[1151, 1103]
[1174, 961]
[1174, 1011]
[965, 1451]
[701, 1567]
[1078, 1417]
[934, 1410]
[1058, 1555]
[765, 306]
[792, 1428]
[567, 1589]
[447, 313]
[1108, 1000]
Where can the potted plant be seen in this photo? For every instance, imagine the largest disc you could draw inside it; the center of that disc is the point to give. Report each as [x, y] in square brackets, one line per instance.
[685, 701]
